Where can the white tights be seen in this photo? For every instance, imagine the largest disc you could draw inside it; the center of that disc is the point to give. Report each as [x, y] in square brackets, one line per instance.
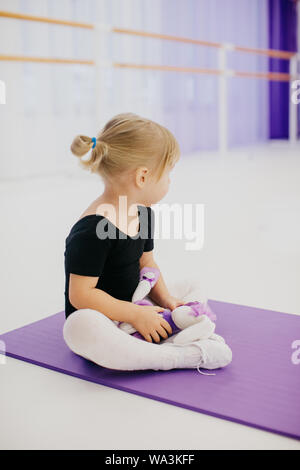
[94, 336]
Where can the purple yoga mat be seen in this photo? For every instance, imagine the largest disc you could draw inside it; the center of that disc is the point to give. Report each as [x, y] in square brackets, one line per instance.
[259, 388]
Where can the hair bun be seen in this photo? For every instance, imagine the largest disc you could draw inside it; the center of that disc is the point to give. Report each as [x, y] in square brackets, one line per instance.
[81, 145]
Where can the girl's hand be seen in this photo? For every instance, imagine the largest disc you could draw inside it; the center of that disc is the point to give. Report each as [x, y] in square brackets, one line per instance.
[172, 302]
[150, 323]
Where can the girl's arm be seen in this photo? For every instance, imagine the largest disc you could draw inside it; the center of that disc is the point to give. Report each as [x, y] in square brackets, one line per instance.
[145, 318]
[84, 294]
[159, 292]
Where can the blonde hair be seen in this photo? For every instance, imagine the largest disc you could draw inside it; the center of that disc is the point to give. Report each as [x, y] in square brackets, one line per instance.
[126, 142]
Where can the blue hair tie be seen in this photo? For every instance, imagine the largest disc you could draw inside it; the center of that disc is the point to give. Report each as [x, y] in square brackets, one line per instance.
[94, 140]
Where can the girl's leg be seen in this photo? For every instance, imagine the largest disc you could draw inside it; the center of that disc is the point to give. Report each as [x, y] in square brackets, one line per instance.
[94, 336]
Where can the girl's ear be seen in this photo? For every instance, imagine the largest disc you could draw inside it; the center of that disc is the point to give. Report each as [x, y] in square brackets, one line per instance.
[141, 176]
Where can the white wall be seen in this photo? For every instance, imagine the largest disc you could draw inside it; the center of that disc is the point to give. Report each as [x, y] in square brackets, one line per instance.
[48, 104]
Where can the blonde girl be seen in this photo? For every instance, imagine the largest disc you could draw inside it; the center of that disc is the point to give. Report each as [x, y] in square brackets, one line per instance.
[105, 251]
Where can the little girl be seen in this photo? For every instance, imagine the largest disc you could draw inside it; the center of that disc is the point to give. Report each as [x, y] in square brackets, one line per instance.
[104, 254]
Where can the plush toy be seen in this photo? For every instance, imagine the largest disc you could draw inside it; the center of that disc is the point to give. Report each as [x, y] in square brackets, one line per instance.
[183, 319]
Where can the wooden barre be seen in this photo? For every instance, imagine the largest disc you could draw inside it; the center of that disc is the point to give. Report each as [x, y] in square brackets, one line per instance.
[45, 60]
[169, 68]
[42, 19]
[267, 52]
[274, 53]
[272, 76]
[167, 37]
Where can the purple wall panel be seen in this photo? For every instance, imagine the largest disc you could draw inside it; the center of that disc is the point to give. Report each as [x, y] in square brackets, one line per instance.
[191, 100]
[282, 35]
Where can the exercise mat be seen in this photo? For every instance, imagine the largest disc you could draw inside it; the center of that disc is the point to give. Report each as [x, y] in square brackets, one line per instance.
[260, 388]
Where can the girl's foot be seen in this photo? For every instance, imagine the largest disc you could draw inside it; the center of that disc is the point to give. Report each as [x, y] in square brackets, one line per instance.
[208, 354]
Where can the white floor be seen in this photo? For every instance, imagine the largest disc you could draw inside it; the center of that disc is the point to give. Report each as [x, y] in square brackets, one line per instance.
[251, 256]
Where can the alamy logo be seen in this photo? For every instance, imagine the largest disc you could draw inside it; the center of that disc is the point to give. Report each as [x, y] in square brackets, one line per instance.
[296, 94]
[296, 354]
[172, 221]
[2, 92]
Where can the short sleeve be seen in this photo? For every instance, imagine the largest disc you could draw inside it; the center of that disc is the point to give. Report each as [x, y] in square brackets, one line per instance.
[86, 255]
[149, 241]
